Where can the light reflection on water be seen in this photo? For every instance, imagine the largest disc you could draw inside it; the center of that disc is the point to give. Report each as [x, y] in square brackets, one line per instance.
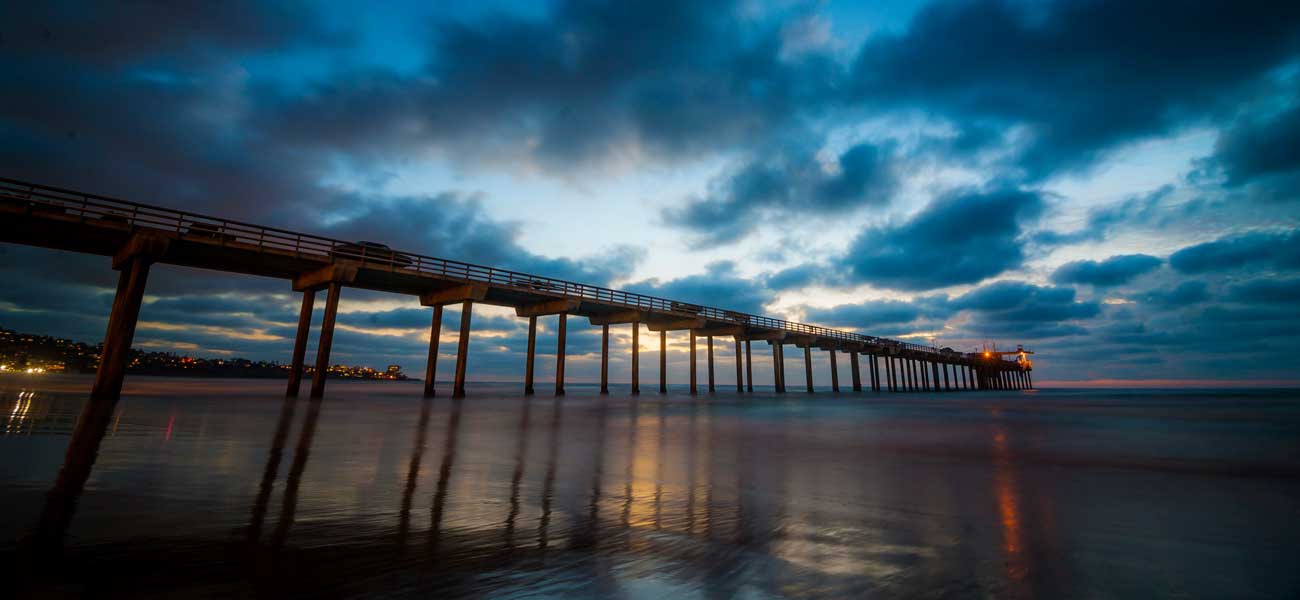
[225, 489]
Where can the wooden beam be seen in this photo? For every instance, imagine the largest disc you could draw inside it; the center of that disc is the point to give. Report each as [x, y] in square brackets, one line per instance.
[149, 246]
[470, 292]
[341, 272]
[721, 330]
[768, 336]
[550, 307]
[617, 318]
[675, 324]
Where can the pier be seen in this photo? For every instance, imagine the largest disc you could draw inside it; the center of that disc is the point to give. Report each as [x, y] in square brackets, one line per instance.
[137, 236]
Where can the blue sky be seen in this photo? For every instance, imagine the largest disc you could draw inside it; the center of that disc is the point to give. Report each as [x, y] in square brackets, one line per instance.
[1116, 185]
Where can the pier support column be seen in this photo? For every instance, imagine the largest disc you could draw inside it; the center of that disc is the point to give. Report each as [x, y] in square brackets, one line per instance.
[749, 368]
[663, 362]
[694, 387]
[326, 340]
[300, 343]
[133, 262]
[807, 367]
[462, 350]
[740, 375]
[636, 357]
[777, 367]
[117, 339]
[709, 342]
[562, 327]
[835, 374]
[934, 368]
[913, 376]
[875, 372]
[889, 373]
[1029, 378]
[431, 366]
[855, 372]
[947, 385]
[604, 359]
[531, 360]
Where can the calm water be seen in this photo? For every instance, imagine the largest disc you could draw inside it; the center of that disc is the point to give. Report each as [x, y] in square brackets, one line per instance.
[220, 488]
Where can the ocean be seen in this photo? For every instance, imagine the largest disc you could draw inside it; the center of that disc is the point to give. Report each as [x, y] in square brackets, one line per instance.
[222, 488]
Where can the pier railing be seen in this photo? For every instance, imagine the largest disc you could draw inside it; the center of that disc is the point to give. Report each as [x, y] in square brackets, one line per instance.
[115, 213]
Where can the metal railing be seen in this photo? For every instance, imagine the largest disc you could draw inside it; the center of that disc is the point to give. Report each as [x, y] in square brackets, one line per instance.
[111, 212]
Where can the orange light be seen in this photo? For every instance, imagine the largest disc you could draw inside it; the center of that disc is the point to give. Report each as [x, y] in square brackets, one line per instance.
[986, 354]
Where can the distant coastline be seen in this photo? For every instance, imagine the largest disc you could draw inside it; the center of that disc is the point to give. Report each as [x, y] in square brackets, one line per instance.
[36, 354]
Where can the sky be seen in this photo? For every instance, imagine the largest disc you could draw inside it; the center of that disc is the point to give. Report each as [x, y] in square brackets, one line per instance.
[1114, 185]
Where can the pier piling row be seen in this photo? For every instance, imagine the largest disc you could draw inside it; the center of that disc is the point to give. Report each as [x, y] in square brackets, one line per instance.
[137, 236]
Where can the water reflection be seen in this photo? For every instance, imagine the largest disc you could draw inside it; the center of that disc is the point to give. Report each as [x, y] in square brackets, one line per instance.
[413, 470]
[272, 469]
[582, 496]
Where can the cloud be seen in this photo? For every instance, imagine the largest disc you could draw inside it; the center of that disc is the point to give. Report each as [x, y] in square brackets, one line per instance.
[786, 186]
[1260, 147]
[1075, 78]
[584, 82]
[885, 317]
[1266, 291]
[452, 226]
[720, 286]
[1116, 270]
[1259, 249]
[1185, 294]
[964, 236]
[1026, 311]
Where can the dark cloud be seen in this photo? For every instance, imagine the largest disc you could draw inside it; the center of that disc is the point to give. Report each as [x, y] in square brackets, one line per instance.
[789, 187]
[720, 286]
[885, 318]
[1153, 209]
[961, 237]
[1267, 291]
[1078, 76]
[1185, 294]
[1116, 270]
[1027, 311]
[1259, 147]
[125, 32]
[1268, 250]
[449, 226]
[585, 82]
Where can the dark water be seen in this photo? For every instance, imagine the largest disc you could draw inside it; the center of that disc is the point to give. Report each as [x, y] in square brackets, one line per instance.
[220, 489]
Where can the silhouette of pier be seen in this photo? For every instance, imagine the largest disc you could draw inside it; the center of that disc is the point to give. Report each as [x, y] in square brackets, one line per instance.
[138, 235]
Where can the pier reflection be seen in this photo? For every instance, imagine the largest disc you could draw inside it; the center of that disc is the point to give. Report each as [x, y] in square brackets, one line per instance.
[589, 494]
